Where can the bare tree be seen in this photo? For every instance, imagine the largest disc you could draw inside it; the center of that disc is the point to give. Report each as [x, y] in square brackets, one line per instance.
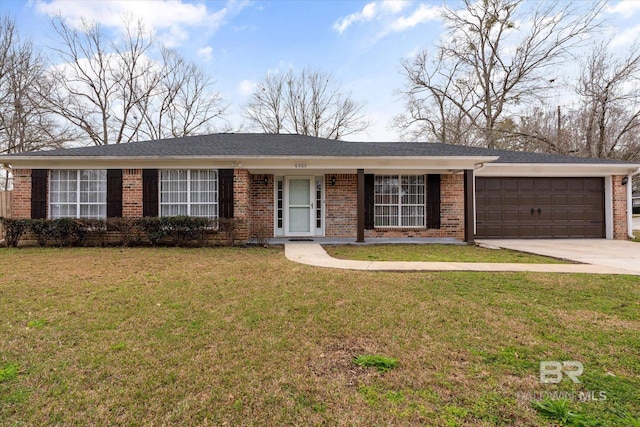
[609, 88]
[309, 103]
[115, 92]
[183, 103]
[605, 123]
[495, 59]
[25, 123]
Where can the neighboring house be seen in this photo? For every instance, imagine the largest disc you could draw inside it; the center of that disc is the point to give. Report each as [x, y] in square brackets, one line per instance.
[636, 199]
[299, 186]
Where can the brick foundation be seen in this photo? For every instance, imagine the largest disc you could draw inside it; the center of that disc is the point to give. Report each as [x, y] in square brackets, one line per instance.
[619, 206]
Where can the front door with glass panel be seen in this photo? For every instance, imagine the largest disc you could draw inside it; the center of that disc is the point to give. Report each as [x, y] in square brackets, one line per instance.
[299, 212]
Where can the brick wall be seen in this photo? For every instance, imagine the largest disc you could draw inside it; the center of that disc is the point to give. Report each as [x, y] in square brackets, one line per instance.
[341, 210]
[132, 193]
[242, 201]
[451, 214]
[21, 194]
[262, 199]
[341, 205]
[619, 205]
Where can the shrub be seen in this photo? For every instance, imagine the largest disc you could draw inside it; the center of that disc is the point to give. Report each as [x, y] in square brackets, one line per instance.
[13, 230]
[229, 226]
[183, 229]
[153, 229]
[96, 228]
[68, 231]
[42, 229]
[263, 234]
[636, 210]
[130, 230]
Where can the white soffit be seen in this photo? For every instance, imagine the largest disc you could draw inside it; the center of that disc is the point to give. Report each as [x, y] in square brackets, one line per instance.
[555, 169]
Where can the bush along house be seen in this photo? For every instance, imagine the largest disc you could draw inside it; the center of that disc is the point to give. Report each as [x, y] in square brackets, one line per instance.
[304, 187]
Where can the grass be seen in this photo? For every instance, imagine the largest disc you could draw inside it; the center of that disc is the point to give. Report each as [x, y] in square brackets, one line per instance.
[435, 253]
[244, 337]
[381, 363]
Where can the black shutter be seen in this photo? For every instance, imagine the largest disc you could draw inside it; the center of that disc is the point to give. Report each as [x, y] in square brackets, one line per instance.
[114, 193]
[433, 201]
[225, 193]
[150, 192]
[39, 193]
[369, 201]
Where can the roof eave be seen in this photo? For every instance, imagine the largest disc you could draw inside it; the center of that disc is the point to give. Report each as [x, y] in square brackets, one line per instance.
[247, 162]
[557, 169]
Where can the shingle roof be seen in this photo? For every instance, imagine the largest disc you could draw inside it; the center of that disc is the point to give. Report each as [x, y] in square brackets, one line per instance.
[283, 145]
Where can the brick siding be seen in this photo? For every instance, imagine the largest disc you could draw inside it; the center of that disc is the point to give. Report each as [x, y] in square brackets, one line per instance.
[242, 201]
[262, 199]
[132, 193]
[21, 194]
[619, 205]
[451, 214]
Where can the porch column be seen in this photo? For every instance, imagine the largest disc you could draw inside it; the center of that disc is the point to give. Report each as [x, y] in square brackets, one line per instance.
[360, 203]
[469, 207]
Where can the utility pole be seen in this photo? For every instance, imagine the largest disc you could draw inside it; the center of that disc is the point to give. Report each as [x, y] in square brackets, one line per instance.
[558, 129]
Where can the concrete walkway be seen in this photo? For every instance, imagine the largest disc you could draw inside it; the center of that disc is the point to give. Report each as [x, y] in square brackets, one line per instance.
[314, 254]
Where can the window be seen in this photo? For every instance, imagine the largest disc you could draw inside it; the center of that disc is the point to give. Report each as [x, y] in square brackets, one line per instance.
[78, 194]
[189, 192]
[399, 201]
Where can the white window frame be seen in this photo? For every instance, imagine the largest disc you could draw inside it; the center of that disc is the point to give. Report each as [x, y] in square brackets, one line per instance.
[399, 205]
[78, 203]
[189, 203]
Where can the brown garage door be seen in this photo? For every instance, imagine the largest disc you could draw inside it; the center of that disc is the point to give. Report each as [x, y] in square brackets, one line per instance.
[539, 208]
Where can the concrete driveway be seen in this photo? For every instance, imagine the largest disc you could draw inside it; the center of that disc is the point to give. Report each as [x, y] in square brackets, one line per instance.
[619, 254]
[636, 222]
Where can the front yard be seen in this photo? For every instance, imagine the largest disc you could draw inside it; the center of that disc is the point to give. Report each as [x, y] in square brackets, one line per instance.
[230, 336]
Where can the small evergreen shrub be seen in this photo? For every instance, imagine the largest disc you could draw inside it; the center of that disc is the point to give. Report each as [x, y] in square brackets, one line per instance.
[13, 230]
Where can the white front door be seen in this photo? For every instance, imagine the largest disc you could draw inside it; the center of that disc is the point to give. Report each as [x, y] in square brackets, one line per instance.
[299, 212]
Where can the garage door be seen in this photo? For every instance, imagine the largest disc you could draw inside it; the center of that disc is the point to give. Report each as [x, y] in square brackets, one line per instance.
[539, 208]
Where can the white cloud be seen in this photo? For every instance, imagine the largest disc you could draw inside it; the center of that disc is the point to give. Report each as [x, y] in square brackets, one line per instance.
[205, 53]
[422, 14]
[626, 8]
[246, 87]
[626, 37]
[395, 6]
[169, 19]
[367, 13]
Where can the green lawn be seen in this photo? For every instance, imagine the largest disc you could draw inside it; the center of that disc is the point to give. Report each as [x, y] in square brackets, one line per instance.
[244, 337]
[434, 253]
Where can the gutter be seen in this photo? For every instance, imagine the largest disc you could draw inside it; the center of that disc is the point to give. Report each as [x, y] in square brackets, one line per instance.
[630, 203]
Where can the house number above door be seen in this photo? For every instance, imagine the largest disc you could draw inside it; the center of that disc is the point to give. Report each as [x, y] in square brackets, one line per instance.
[301, 165]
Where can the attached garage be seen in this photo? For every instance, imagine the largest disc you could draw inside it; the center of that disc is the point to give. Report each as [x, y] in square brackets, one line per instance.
[539, 207]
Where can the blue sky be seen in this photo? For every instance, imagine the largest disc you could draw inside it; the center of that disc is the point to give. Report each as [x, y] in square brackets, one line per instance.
[361, 43]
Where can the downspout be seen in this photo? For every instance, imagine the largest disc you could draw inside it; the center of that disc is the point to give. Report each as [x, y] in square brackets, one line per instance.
[630, 203]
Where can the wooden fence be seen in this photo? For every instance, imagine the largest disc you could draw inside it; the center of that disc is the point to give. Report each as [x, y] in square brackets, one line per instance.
[5, 208]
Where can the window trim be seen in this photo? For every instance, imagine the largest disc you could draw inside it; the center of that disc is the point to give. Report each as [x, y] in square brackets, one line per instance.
[399, 204]
[78, 203]
[188, 203]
